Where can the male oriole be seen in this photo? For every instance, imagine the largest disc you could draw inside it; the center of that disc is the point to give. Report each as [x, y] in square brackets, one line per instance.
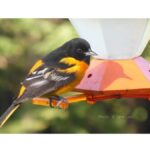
[60, 71]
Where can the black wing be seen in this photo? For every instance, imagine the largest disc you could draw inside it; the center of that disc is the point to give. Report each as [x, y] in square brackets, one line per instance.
[44, 80]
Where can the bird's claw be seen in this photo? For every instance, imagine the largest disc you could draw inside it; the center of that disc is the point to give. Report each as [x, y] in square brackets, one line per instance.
[62, 103]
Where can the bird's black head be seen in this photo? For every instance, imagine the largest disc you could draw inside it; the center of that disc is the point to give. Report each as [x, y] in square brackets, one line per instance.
[78, 48]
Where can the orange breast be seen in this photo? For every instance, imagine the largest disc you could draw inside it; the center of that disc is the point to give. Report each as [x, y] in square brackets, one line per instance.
[79, 69]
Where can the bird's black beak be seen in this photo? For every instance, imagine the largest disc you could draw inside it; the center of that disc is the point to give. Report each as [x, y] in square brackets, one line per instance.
[90, 53]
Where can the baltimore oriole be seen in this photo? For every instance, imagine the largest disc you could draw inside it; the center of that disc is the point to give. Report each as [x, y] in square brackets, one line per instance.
[60, 71]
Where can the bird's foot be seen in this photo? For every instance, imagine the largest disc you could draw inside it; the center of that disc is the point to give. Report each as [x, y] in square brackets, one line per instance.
[62, 103]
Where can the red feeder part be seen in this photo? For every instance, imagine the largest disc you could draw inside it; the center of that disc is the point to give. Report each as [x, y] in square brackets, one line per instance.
[117, 78]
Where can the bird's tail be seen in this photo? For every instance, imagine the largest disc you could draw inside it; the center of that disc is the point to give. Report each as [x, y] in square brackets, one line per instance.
[8, 113]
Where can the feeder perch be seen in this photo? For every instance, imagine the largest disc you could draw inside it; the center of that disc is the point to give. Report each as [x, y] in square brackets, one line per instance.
[119, 70]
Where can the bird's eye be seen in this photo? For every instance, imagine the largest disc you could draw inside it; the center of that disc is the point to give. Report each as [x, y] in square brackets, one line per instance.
[79, 50]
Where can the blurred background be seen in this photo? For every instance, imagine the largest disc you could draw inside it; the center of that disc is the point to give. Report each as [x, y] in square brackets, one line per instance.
[22, 42]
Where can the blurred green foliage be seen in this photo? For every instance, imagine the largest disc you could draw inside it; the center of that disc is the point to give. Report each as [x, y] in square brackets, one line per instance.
[22, 42]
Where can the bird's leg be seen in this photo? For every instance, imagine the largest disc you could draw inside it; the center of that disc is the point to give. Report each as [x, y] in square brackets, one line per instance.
[60, 100]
